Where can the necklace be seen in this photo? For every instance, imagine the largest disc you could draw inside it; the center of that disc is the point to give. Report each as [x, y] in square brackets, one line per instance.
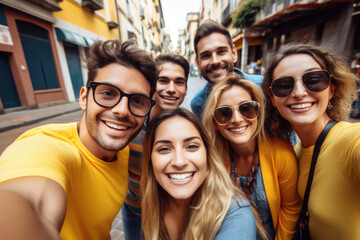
[249, 186]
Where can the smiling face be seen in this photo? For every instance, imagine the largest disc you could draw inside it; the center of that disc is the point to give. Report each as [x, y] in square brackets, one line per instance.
[179, 158]
[105, 131]
[239, 130]
[215, 57]
[302, 107]
[170, 87]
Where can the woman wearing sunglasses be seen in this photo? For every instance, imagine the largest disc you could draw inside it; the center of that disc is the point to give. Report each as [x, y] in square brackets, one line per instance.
[265, 169]
[307, 87]
[186, 191]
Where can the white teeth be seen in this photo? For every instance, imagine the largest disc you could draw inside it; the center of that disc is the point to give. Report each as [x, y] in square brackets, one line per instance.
[170, 98]
[302, 105]
[238, 129]
[216, 70]
[180, 176]
[116, 126]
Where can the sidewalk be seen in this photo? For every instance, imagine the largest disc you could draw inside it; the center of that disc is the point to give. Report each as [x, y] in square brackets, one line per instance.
[21, 118]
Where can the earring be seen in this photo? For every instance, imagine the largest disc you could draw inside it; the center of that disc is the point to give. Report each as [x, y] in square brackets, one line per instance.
[329, 105]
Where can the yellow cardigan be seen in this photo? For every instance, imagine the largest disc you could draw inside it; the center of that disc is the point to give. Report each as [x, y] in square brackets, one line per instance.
[280, 175]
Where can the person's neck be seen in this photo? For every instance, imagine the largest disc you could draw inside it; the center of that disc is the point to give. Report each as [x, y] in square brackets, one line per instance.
[175, 217]
[92, 146]
[244, 156]
[154, 111]
[309, 133]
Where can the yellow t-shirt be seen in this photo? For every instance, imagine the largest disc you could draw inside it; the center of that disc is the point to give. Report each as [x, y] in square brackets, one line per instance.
[95, 189]
[334, 201]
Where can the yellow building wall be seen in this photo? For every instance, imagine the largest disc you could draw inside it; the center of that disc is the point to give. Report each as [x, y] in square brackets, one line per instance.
[72, 12]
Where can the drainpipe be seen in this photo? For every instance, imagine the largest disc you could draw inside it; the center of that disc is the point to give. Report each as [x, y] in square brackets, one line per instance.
[244, 53]
[118, 18]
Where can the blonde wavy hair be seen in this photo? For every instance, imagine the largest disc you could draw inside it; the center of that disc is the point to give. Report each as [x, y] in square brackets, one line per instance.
[342, 78]
[210, 202]
[210, 124]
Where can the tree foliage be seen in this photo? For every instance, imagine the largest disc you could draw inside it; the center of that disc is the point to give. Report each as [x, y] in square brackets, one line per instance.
[244, 15]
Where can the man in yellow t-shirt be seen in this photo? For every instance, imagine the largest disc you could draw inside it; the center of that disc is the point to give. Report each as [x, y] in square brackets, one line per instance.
[69, 181]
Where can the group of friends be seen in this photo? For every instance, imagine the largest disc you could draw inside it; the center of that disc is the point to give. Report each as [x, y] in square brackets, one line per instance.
[226, 170]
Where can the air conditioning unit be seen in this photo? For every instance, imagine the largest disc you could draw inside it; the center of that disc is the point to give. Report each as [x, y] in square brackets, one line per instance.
[93, 4]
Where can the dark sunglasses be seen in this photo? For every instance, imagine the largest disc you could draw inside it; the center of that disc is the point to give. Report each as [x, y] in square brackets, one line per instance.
[314, 81]
[248, 110]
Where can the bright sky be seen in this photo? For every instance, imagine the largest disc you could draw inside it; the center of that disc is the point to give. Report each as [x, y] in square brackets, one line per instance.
[175, 15]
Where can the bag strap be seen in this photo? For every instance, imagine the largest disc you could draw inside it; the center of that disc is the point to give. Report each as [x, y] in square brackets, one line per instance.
[318, 143]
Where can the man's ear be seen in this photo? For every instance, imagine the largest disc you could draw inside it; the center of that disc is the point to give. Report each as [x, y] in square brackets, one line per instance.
[197, 62]
[234, 53]
[83, 98]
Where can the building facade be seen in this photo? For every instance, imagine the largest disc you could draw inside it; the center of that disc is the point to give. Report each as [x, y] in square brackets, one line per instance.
[41, 43]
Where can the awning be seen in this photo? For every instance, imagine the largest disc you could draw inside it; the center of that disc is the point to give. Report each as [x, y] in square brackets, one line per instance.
[89, 41]
[254, 38]
[71, 37]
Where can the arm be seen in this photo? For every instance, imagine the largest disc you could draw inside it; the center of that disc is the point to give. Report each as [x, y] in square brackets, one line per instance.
[239, 223]
[31, 208]
[290, 200]
[34, 175]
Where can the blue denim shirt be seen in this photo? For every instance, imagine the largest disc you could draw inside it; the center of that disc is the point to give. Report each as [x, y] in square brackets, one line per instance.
[260, 200]
[198, 102]
[239, 222]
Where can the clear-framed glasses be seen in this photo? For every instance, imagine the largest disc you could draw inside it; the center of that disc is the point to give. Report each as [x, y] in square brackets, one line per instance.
[108, 96]
[314, 81]
[248, 110]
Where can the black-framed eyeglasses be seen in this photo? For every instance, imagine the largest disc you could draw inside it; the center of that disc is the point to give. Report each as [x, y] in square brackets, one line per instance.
[108, 96]
[248, 110]
[314, 81]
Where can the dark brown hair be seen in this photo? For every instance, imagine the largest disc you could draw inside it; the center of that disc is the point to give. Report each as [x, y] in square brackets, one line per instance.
[176, 59]
[103, 53]
[208, 27]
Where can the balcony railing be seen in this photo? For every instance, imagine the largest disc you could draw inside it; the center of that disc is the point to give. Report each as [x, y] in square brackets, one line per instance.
[226, 16]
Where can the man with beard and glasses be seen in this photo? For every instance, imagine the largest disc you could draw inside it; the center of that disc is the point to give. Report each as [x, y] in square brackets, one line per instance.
[215, 58]
[68, 181]
[171, 89]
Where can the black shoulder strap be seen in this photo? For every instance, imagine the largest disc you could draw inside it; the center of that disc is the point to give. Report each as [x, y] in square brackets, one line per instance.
[318, 143]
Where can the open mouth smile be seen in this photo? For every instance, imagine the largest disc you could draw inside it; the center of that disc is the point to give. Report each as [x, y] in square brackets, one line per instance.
[300, 106]
[238, 130]
[180, 177]
[116, 127]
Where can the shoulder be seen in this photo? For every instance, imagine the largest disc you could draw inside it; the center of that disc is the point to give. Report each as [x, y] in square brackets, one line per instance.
[346, 128]
[239, 222]
[59, 131]
[41, 152]
[203, 92]
[251, 77]
[276, 146]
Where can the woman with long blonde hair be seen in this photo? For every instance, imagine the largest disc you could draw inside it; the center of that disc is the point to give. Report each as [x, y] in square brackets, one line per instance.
[264, 168]
[186, 191]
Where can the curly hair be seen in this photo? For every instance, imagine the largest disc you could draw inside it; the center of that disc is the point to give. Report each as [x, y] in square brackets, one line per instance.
[103, 53]
[342, 78]
[210, 202]
[256, 94]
